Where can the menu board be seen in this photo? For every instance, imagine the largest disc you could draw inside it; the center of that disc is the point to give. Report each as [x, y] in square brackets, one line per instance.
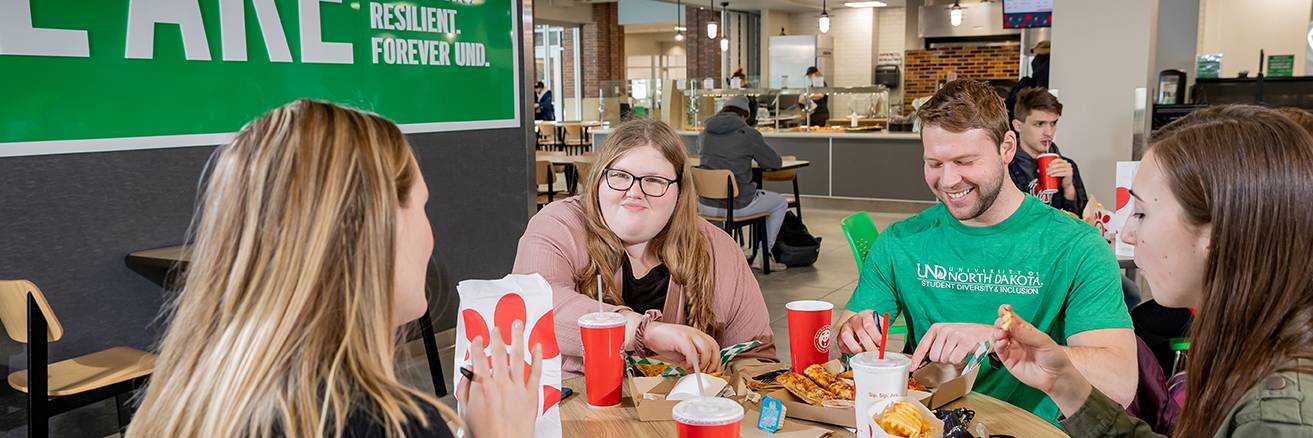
[1027, 13]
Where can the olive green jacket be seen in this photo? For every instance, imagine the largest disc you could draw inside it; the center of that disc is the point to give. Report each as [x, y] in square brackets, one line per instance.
[1281, 405]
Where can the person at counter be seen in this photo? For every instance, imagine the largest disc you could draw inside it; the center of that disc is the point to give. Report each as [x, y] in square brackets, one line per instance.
[543, 108]
[822, 100]
[740, 80]
[985, 244]
[729, 143]
[1037, 112]
[681, 282]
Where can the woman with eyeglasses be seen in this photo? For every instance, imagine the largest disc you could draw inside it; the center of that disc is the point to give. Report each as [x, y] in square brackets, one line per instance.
[683, 283]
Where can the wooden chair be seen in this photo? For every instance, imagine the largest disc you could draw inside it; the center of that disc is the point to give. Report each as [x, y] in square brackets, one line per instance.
[56, 388]
[548, 137]
[546, 176]
[582, 165]
[575, 138]
[707, 183]
[795, 200]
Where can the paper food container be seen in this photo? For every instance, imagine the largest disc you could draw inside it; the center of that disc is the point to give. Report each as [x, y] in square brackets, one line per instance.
[649, 395]
[877, 432]
[946, 383]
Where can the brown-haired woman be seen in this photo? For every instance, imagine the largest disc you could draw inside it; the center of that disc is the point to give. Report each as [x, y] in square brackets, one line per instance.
[1223, 222]
[682, 283]
[310, 252]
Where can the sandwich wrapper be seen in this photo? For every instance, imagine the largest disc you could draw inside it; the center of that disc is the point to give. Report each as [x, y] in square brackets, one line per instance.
[499, 303]
[947, 383]
[650, 393]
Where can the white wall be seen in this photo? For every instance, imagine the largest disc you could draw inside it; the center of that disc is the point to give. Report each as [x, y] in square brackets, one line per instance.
[1239, 28]
[562, 12]
[771, 23]
[1096, 71]
[889, 38]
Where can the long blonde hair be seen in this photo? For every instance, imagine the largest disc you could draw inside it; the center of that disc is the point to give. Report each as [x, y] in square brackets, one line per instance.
[284, 325]
[680, 245]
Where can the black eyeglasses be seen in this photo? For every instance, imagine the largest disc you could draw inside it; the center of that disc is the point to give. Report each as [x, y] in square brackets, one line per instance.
[653, 186]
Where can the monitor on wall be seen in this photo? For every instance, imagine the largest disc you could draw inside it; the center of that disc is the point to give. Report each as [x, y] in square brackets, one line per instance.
[1019, 14]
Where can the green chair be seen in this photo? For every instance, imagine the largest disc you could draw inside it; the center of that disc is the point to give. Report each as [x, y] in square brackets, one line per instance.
[861, 234]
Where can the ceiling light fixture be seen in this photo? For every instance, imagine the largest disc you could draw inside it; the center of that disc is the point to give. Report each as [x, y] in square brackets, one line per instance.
[712, 26]
[825, 19]
[679, 20]
[955, 13]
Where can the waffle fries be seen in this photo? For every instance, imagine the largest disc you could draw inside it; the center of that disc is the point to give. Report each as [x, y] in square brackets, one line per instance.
[902, 419]
[829, 381]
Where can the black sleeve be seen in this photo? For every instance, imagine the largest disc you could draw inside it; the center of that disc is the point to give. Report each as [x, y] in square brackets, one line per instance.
[752, 111]
[363, 425]
[1077, 206]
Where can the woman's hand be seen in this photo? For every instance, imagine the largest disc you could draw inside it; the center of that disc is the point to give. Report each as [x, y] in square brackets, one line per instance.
[1036, 360]
[678, 344]
[503, 401]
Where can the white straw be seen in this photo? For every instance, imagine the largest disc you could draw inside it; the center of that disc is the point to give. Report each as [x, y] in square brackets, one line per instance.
[599, 293]
[697, 374]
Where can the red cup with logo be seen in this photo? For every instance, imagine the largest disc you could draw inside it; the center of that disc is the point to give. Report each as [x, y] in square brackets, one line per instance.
[809, 332]
[603, 335]
[707, 417]
[1047, 183]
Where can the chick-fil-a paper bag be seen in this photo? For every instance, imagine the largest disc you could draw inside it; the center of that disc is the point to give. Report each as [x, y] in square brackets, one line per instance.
[485, 304]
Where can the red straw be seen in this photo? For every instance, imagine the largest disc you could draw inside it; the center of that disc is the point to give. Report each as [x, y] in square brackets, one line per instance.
[884, 334]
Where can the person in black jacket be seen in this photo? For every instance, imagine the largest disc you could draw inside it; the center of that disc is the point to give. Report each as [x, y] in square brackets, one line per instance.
[1037, 112]
[543, 108]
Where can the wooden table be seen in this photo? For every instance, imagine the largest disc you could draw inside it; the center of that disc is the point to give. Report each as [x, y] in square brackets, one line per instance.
[579, 420]
[163, 266]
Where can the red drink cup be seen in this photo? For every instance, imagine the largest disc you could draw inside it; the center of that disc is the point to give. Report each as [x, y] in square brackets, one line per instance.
[707, 417]
[1047, 183]
[809, 333]
[603, 335]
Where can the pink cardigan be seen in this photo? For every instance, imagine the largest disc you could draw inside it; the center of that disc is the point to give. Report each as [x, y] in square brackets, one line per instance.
[555, 246]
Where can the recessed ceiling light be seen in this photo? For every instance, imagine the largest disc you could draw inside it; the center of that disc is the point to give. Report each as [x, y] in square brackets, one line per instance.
[866, 4]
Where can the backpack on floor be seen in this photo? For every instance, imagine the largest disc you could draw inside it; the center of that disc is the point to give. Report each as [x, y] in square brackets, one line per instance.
[795, 246]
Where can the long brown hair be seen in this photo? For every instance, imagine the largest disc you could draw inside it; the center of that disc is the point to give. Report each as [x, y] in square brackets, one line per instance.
[284, 326]
[680, 245]
[1248, 172]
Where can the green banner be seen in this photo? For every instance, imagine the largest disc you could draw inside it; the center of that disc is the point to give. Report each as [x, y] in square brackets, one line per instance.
[79, 76]
[1280, 66]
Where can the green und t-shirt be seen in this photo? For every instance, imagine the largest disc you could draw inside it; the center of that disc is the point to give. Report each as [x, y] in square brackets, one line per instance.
[1055, 271]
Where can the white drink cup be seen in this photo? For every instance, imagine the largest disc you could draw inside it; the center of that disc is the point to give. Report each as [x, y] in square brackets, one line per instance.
[877, 379]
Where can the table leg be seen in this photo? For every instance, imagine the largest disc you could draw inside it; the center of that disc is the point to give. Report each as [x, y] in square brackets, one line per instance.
[431, 351]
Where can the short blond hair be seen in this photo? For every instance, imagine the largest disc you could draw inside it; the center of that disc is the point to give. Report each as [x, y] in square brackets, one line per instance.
[966, 104]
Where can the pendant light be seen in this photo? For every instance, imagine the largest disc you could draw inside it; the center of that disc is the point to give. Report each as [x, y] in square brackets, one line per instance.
[825, 19]
[679, 20]
[712, 26]
[955, 13]
[724, 18]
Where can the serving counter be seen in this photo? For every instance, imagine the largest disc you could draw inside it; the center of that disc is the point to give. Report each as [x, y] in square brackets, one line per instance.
[854, 165]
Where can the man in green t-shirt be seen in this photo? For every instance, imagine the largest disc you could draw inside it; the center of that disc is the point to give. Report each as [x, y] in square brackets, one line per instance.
[985, 244]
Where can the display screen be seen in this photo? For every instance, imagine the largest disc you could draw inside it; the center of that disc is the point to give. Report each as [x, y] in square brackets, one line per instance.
[1027, 13]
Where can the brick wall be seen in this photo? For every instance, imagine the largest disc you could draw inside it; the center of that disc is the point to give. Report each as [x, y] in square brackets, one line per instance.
[926, 67]
[567, 67]
[703, 53]
[603, 49]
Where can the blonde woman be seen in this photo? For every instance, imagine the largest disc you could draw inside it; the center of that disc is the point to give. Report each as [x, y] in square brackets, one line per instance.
[683, 284]
[310, 251]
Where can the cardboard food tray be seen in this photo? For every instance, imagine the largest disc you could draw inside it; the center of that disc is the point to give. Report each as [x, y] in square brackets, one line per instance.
[944, 381]
[649, 395]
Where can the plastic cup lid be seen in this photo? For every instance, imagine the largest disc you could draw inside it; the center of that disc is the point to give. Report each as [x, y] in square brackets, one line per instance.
[602, 320]
[871, 361]
[707, 411]
[809, 305]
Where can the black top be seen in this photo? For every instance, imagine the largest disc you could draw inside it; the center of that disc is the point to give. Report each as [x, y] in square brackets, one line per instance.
[649, 292]
[363, 425]
[1025, 174]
